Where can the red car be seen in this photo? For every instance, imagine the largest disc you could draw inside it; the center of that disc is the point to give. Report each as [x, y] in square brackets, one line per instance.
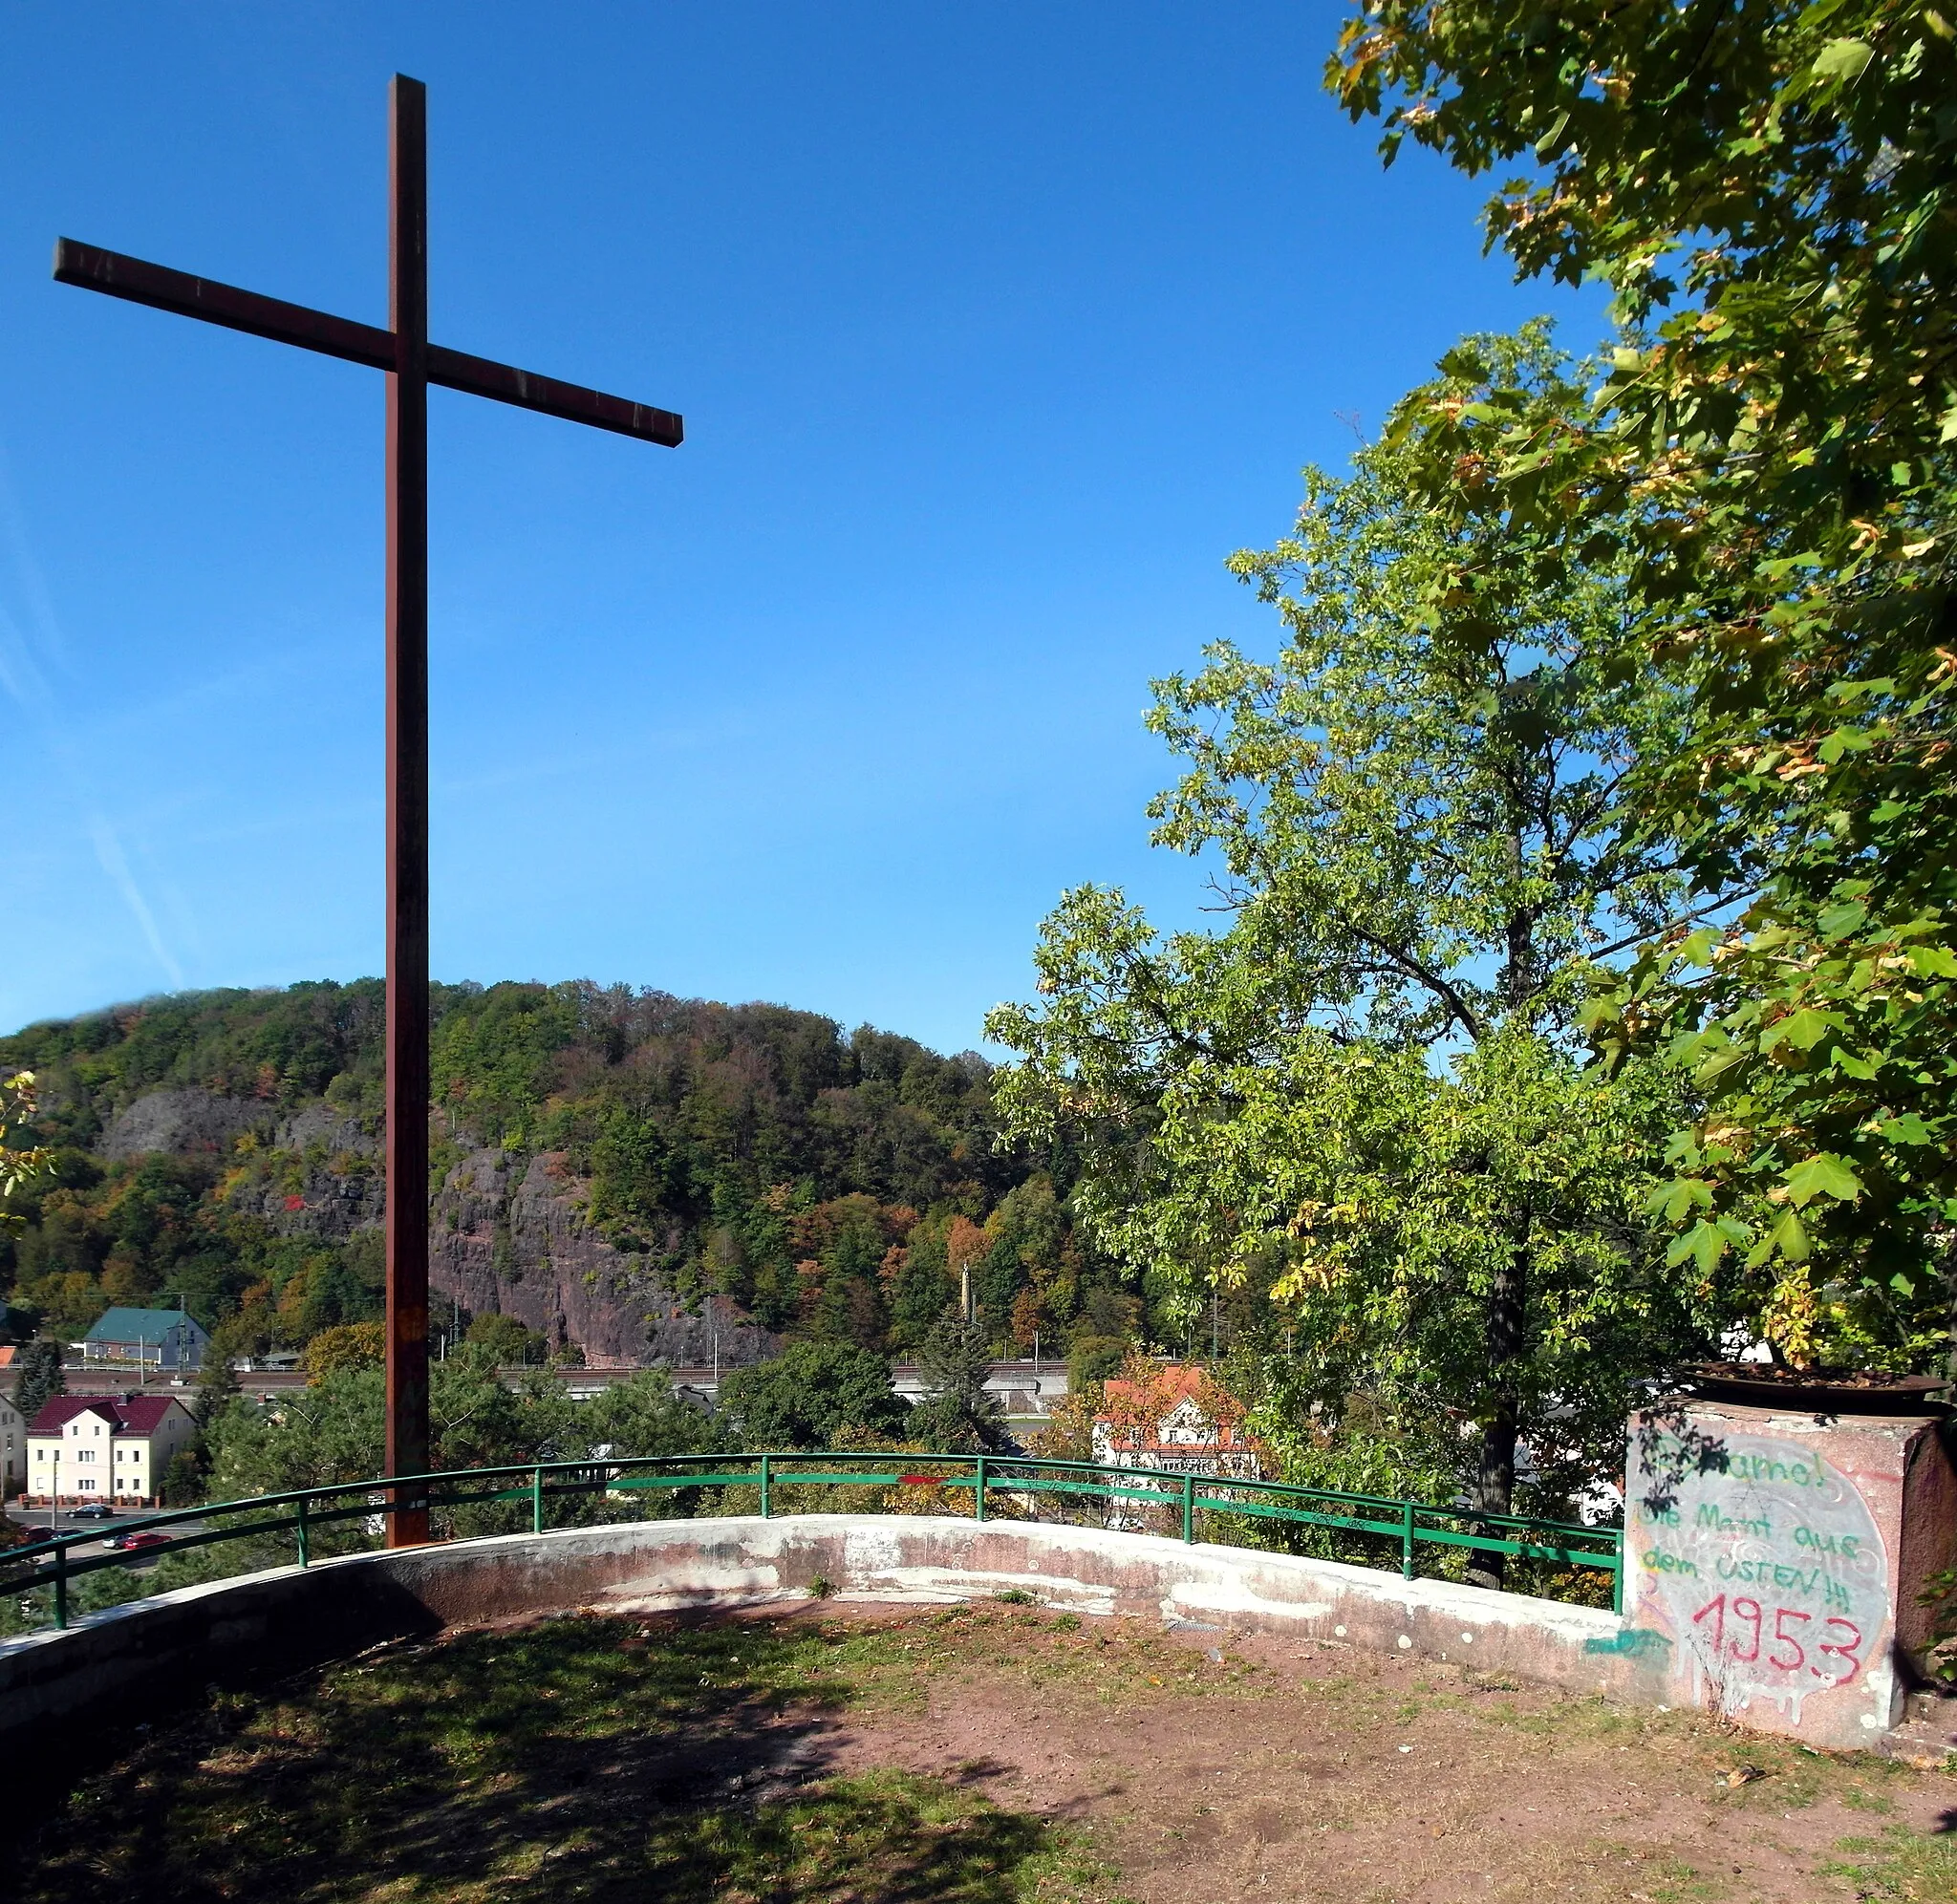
[140, 1538]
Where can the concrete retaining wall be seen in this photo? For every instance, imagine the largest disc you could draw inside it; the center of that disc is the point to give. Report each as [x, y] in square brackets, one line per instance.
[66, 1699]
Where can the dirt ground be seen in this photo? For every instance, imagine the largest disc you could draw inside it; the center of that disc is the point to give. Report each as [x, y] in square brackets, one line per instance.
[857, 1754]
[1349, 1776]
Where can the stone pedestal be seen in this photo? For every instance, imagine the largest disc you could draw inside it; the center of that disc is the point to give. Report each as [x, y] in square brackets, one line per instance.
[1777, 1559]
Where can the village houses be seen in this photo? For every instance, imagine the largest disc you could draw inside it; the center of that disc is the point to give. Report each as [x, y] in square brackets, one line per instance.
[12, 1448]
[86, 1448]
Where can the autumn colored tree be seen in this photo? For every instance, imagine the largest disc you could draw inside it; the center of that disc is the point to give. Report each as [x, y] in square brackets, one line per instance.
[347, 1345]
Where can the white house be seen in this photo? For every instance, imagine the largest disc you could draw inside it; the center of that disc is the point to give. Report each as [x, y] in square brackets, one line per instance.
[1177, 1422]
[97, 1447]
[12, 1448]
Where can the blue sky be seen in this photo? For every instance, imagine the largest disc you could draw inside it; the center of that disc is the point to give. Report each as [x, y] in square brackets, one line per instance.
[995, 329]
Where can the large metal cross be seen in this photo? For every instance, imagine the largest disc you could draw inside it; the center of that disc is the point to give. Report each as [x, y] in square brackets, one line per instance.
[411, 363]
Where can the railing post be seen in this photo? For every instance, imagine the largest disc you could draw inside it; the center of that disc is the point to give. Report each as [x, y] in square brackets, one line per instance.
[1189, 1509]
[300, 1530]
[537, 1498]
[979, 1492]
[767, 1506]
[1617, 1587]
[1406, 1540]
[61, 1589]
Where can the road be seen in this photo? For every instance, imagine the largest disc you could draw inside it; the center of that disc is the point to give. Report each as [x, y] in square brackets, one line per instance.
[40, 1521]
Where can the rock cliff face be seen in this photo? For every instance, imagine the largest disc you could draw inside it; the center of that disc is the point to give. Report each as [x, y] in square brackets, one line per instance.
[505, 1233]
[339, 1189]
[183, 1122]
[511, 1236]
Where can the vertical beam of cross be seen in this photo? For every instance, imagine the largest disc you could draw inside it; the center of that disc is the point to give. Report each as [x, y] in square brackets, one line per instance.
[411, 363]
[407, 807]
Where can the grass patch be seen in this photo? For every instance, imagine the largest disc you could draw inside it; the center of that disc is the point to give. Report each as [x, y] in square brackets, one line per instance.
[582, 1758]
[1899, 1863]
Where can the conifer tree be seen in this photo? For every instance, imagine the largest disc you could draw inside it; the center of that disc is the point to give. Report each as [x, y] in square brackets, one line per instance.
[957, 1413]
[40, 1377]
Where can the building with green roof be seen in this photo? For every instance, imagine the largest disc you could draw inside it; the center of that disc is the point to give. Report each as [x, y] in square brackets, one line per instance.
[148, 1339]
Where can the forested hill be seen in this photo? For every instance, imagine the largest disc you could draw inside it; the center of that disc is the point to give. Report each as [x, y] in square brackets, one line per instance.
[604, 1161]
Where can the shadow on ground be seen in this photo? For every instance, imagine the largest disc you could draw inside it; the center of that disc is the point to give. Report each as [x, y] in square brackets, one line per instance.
[576, 1758]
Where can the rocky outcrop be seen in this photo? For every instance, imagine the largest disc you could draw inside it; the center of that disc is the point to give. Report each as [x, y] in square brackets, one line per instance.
[326, 1201]
[324, 1127]
[185, 1121]
[510, 1235]
[505, 1233]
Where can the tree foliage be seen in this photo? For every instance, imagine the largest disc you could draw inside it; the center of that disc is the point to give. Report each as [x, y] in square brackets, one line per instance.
[506, 1340]
[40, 1377]
[1363, 1095]
[811, 1392]
[958, 1414]
[351, 1345]
[335, 1430]
[1768, 189]
[20, 1162]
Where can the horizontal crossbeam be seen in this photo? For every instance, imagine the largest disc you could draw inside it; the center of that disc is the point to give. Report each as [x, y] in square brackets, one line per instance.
[158, 285]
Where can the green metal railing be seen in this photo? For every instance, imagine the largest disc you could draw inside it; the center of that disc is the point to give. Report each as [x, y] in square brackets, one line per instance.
[992, 1479]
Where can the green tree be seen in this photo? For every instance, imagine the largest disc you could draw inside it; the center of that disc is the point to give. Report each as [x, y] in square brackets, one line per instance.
[506, 1339]
[642, 1416]
[182, 1480]
[957, 1415]
[335, 1431]
[1367, 1088]
[216, 1390]
[804, 1396]
[40, 1377]
[1771, 458]
[922, 1286]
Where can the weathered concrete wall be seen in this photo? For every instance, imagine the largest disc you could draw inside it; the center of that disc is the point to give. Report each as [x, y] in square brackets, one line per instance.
[1775, 1560]
[66, 1698]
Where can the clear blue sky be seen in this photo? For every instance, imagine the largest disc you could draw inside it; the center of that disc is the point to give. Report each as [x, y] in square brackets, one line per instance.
[995, 329]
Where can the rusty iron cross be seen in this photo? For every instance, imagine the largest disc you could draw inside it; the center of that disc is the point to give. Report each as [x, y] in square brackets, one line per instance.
[411, 363]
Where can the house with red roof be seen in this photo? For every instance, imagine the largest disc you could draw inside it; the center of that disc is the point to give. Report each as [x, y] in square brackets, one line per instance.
[1172, 1419]
[83, 1448]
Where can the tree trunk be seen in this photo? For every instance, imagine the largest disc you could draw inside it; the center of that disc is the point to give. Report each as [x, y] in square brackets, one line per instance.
[1495, 1478]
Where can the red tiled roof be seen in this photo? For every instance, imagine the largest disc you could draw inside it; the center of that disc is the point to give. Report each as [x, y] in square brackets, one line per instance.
[1173, 1385]
[61, 1410]
[141, 1415]
[1170, 1388]
[145, 1414]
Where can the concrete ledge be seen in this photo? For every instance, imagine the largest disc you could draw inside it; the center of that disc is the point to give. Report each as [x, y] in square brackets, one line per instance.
[62, 1695]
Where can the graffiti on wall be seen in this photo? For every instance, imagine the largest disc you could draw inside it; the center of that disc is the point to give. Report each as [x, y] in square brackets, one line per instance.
[1768, 1574]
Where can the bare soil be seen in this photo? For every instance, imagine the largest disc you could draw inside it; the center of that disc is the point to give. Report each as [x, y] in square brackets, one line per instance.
[862, 1754]
[1335, 1774]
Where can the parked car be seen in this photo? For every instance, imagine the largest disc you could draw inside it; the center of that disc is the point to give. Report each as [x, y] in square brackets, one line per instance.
[141, 1537]
[95, 1510]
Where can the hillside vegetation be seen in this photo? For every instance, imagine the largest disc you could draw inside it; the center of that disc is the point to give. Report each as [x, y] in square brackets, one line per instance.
[223, 1147]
